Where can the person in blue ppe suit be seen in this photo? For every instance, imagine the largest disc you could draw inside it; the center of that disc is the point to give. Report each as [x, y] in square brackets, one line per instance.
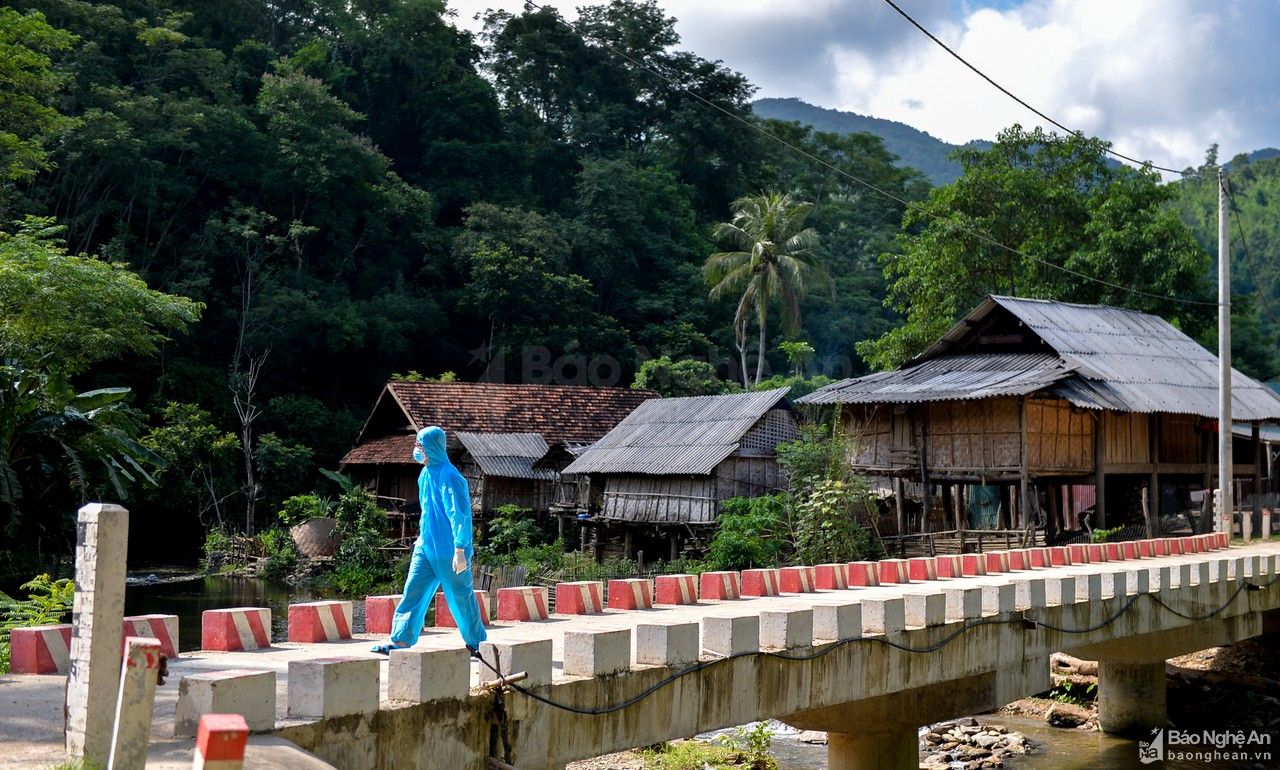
[442, 554]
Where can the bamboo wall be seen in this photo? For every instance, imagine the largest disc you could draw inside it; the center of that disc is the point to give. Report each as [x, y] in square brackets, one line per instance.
[659, 499]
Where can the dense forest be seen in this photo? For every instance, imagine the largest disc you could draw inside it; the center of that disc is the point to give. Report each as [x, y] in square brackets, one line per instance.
[320, 195]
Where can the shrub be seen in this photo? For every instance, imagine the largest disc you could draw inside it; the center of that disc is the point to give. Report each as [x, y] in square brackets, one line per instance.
[1103, 535]
[280, 551]
[299, 508]
[48, 601]
[217, 549]
[826, 523]
[510, 528]
[752, 532]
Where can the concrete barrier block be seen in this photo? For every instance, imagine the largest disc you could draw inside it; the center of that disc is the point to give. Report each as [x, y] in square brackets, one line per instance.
[727, 635]
[666, 644]
[1039, 558]
[950, 566]
[1059, 556]
[311, 622]
[630, 594]
[529, 655]
[597, 652]
[786, 629]
[418, 675]
[1137, 581]
[998, 599]
[332, 687]
[444, 615]
[247, 692]
[996, 562]
[883, 616]
[1029, 593]
[831, 577]
[1177, 546]
[1200, 573]
[239, 628]
[581, 597]
[1113, 551]
[40, 649]
[675, 589]
[893, 571]
[1180, 575]
[922, 568]
[863, 573]
[963, 604]
[1097, 553]
[1129, 550]
[923, 610]
[220, 742]
[1114, 585]
[1161, 578]
[837, 621]
[723, 586]
[1079, 553]
[1235, 568]
[1161, 546]
[1017, 560]
[1252, 566]
[1146, 549]
[1059, 590]
[522, 603]
[162, 628]
[798, 580]
[135, 702]
[379, 612]
[760, 582]
[973, 564]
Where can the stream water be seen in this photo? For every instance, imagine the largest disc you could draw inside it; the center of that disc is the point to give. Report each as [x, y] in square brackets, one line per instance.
[184, 595]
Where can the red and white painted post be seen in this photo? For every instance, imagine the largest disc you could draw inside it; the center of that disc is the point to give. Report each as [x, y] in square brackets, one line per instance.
[134, 705]
[220, 742]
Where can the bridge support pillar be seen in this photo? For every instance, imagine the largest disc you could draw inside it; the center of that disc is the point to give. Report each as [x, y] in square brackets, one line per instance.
[1131, 697]
[896, 750]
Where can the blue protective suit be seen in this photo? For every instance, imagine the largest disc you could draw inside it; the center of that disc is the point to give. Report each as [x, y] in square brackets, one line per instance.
[444, 526]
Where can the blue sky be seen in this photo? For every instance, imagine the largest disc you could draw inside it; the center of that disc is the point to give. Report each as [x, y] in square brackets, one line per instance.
[1161, 79]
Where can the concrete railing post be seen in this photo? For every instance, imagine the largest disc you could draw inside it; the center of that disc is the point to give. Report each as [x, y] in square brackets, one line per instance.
[93, 677]
[221, 742]
[138, 678]
[1131, 697]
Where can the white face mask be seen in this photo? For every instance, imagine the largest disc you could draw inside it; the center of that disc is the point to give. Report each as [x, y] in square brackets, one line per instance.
[419, 455]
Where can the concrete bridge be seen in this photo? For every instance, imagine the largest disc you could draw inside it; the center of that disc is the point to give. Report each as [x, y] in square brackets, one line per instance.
[868, 663]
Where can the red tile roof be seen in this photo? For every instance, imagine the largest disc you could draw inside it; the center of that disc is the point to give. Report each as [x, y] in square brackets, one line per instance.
[572, 413]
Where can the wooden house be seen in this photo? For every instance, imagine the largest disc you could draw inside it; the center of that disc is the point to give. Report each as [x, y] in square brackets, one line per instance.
[1026, 401]
[494, 432]
[666, 469]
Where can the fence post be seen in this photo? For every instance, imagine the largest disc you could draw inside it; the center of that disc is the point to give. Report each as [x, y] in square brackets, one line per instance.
[102, 533]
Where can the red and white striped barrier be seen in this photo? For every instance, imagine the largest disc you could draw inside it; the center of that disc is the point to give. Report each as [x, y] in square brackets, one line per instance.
[798, 580]
[444, 615]
[1079, 553]
[831, 577]
[1059, 556]
[675, 589]
[760, 582]
[40, 649]
[239, 628]
[721, 585]
[1113, 551]
[522, 603]
[163, 628]
[380, 612]
[1146, 549]
[1039, 558]
[1161, 544]
[972, 564]
[1017, 560]
[1097, 553]
[220, 742]
[922, 568]
[630, 594]
[311, 622]
[893, 571]
[864, 573]
[996, 561]
[1129, 550]
[583, 597]
[950, 566]
[1224, 540]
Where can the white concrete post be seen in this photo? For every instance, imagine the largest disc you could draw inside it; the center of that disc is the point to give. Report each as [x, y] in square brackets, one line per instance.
[102, 546]
[137, 696]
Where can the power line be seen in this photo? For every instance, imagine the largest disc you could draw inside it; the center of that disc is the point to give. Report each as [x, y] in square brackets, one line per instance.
[755, 126]
[1248, 256]
[1015, 97]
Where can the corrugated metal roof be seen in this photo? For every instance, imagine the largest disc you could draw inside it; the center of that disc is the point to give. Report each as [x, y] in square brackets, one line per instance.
[948, 378]
[507, 455]
[1113, 359]
[690, 435]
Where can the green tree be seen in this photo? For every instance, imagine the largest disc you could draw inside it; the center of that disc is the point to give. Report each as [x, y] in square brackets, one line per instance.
[774, 262]
[1058, 201]
[30, 83]
[686, 377]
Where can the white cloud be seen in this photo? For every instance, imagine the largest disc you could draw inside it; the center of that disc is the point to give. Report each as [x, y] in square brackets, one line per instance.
[1162, 79]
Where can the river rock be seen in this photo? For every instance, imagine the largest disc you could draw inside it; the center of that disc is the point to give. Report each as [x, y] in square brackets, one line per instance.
[985, 740]
[816, 737]
[1066, 715]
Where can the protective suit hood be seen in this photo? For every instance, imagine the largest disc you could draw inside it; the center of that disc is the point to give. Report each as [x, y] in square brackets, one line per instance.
[432, 441]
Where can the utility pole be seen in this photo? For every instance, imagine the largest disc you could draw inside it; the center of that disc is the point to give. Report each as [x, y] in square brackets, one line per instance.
[1224, 360]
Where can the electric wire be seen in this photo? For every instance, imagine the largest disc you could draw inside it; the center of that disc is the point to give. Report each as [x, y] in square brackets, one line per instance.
[755, 126]
[1105, 145]
[1032, 624]
[1248, 256]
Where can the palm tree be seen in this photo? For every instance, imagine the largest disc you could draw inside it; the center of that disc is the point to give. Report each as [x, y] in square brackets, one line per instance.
[775, 260]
